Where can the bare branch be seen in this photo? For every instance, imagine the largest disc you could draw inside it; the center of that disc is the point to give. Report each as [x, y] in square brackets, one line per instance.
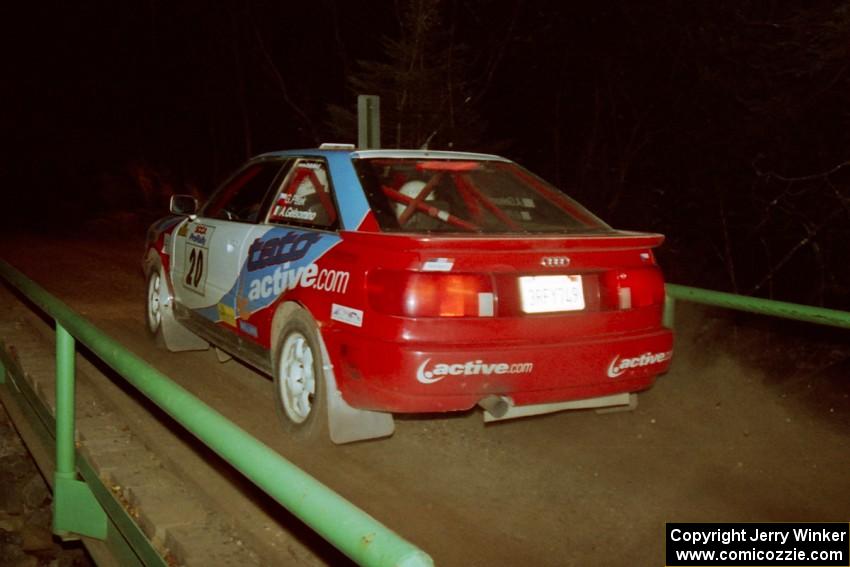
[785, 259]
[499, 53]
[773, 174]
[728, 259]
[281, 84]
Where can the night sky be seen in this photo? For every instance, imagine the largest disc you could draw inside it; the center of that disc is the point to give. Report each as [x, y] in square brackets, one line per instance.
[723, 125]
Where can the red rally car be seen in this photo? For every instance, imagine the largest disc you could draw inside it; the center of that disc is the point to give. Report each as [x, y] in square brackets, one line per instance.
[374, 282]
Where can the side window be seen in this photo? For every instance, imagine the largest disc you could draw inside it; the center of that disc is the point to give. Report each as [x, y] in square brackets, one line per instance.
[305, 197]
[241, 199]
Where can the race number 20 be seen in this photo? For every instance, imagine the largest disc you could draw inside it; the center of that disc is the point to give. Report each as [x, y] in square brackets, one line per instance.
[195, 269]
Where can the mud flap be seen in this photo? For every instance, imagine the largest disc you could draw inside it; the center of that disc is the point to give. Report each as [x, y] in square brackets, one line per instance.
[177, 338]
[222, 356]
[345, 423]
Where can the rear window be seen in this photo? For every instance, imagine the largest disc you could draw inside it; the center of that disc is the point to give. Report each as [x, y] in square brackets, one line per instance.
[472, 196]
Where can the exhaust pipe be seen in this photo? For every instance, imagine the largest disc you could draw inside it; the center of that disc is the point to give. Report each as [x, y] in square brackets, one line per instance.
[497, 406]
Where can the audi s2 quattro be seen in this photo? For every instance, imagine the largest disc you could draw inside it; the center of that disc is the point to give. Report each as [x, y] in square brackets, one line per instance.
[368, 283]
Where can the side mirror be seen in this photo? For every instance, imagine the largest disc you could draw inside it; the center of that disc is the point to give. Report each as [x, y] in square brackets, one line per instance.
[183, 205]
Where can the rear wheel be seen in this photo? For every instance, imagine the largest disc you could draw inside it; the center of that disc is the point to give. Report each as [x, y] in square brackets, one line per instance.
[300, 380]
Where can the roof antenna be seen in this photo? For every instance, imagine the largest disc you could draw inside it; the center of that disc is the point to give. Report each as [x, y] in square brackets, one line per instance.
[428, 141]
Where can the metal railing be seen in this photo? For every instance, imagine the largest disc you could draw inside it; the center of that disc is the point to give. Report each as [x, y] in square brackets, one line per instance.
[348, 528]
[807, 313]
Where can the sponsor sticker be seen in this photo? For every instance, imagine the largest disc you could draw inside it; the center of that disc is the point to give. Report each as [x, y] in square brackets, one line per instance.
[248, 328]
[183, 230]
[287, 277]
[287, 199]
[620, 365]
[292, 213]
[200, 235]
[226, 314]
[439, 265]
[431, 373]
[524, 202]
[290, 247]
[282, 261]
[347, 315]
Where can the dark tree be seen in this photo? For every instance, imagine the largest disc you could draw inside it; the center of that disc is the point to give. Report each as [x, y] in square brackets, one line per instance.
[425, 83]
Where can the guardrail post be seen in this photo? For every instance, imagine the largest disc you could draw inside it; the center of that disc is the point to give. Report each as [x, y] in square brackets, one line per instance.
[75, 509]
[669, 311]
[65, 381]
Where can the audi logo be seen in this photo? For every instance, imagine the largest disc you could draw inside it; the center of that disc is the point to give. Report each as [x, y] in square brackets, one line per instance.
[554, 261]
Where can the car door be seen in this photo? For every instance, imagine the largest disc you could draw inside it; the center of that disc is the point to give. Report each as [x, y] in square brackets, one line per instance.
[286, 256]
[209, 248]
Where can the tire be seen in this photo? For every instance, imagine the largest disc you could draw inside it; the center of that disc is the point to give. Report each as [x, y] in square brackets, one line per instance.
[299, 379]
[153, 304]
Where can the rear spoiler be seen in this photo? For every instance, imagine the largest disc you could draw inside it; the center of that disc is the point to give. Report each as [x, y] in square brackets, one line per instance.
[615, 240]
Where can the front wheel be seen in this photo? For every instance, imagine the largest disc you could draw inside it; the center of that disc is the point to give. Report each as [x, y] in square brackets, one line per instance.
[154, 304]
[300, 380]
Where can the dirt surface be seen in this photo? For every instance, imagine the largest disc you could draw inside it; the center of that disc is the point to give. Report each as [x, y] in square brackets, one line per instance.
[751, 424]
[26, 539]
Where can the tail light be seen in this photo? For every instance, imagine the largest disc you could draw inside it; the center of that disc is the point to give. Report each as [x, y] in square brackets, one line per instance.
[422, 294]
[630, 288]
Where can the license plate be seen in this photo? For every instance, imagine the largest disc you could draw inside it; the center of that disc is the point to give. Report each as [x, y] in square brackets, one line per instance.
[548, 294]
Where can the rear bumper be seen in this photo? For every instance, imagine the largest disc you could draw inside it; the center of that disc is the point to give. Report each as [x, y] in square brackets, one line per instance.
[403, 378]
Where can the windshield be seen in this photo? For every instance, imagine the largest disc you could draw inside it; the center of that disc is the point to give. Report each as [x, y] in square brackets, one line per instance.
[473, 196]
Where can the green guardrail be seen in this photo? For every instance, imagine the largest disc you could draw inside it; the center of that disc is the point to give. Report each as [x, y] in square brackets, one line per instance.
[807, 313]
[348, 528]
